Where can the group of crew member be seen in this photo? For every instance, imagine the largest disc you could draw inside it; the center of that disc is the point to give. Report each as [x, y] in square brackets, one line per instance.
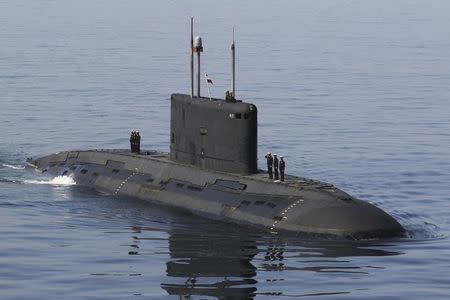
[229, 97]
[273, 165]
[135, 142]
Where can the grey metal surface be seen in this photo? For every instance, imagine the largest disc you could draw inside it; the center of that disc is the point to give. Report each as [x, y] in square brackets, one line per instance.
[215, 135]
[298, 205]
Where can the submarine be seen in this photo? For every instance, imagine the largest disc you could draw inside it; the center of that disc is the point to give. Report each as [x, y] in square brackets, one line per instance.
[212, 171]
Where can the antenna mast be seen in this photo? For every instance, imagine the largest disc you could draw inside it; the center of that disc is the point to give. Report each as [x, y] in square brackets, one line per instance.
[192, 57]
[198, 47]
[233, 69]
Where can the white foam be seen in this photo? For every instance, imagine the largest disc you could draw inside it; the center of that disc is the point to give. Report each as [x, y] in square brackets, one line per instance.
[18, 167]
[58, 180]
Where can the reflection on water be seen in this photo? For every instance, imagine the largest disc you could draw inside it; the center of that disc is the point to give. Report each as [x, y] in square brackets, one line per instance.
[203, 258]
[211, 262]
[213, 265]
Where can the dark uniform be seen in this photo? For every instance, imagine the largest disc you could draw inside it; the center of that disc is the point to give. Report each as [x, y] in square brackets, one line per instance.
[275, 166]
[269, 159]
[282, 167]
[138, 142]
[132, 139]
[135, 142]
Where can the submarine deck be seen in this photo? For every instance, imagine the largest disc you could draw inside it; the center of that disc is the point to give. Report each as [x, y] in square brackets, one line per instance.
[296, 205]
[261, 176]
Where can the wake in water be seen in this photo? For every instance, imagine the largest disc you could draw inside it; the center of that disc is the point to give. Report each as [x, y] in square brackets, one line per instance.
[58, 180]
[15, 167]
[16, 175]
[419, 226]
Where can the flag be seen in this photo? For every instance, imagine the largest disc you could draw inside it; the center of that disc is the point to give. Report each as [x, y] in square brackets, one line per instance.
[208, 80]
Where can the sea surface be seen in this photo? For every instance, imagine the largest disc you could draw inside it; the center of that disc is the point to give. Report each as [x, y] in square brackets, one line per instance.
[355, 93]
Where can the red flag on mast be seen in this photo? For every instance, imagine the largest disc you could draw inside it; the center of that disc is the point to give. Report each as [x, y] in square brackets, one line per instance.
[208, 80]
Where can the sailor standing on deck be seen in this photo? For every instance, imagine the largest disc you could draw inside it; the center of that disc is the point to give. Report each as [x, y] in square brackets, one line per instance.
[135, 142]
[275, 166]
[138, 142]
[132, 138]
[282, 167]
[269, 159]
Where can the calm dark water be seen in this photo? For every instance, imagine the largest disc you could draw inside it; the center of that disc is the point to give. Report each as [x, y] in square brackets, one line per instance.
[352, 92]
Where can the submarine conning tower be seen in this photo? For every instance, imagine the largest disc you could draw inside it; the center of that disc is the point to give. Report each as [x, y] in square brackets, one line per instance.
[210, 133]
[214, 134]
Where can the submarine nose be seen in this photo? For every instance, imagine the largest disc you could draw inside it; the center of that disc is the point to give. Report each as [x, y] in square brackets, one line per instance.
[354, 219]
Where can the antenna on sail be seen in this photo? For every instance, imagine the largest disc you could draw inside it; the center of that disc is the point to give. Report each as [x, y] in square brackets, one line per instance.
[233, 69]
[198, 47]
[192, 57]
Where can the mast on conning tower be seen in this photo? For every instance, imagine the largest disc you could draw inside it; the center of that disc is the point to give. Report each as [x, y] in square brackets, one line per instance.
[233, 69]
[192, 57]
[198, 48]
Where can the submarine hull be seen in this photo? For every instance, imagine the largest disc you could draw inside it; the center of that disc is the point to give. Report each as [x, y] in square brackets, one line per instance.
[298, 205]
